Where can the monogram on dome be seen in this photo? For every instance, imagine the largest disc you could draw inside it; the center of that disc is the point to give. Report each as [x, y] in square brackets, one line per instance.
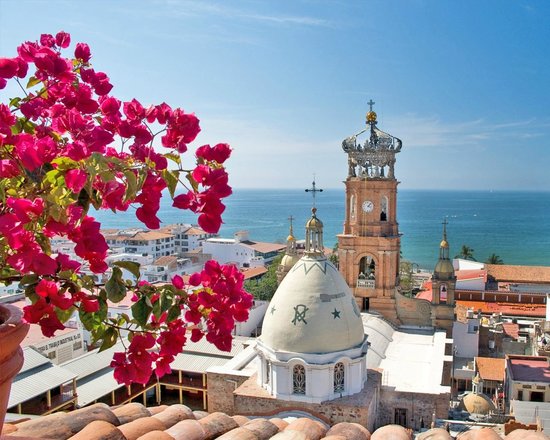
[374, 157]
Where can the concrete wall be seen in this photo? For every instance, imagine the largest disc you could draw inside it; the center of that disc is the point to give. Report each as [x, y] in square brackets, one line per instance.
[418, 406]
[228, 252]
[255, 317]
[250, 399]
[471, 284]
[221, 387]
[465, 339]
[412, 311]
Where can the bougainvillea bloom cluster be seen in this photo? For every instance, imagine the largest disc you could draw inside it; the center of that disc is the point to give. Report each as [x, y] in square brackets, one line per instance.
[66, 145]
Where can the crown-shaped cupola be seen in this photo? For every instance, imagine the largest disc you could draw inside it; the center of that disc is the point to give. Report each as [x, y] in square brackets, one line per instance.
[375, 157]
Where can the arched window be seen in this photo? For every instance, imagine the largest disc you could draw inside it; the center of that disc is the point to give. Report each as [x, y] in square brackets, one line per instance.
[339, 377]
[298, 379]
[352, 207]
[367, 268]
[443, 293]
[383, 209]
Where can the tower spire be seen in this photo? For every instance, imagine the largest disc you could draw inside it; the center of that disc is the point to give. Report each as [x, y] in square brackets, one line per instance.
[314, 227]
[291, 241]
[444, 245]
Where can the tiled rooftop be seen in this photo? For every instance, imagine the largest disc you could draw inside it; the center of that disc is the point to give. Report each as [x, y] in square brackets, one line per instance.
[490, 368]
[133, 421]
[519, 274]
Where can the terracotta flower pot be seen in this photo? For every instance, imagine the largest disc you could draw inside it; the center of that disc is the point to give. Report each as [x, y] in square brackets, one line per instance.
[12, 331]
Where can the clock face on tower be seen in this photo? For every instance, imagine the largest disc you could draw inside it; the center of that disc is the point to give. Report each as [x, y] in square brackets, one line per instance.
[368, 206]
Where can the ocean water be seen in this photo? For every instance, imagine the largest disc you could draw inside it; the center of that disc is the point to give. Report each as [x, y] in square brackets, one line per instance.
[513, 225]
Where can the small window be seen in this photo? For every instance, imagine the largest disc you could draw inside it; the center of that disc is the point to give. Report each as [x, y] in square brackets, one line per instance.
[299, 379]
[339, 377]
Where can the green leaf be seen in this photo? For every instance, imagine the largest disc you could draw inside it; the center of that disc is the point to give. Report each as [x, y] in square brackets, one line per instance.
[173, 157]
[33, 80]
[93, 322]
[173, 313]
[130, 266]
[64, 315]
[171, 179]
[141, 311]
[14, 102]
[115, 287]
[109, 339]
[28, 280]
[65, 163]
[131, 188]
[192, 181]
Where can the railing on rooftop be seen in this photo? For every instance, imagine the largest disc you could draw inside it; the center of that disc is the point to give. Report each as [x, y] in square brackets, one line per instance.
[366, 284]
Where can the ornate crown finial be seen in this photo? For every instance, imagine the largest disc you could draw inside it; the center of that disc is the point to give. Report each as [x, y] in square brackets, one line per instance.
[375, 158]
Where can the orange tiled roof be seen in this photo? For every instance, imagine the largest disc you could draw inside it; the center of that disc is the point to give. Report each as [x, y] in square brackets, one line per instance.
[519, 274]
[166, 260]
[148, 235]
[169, 422]
[264, 248]
[252, 272]
[507, 309]
[490, 368]
[511, 330]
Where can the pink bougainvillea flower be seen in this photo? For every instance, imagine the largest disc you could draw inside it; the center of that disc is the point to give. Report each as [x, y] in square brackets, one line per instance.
[219, 152]
[76, 179]
[62, 39]
[8, 67]
[82, 52]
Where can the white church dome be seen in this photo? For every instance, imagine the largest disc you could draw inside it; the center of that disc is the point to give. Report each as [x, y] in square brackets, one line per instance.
[313, 310]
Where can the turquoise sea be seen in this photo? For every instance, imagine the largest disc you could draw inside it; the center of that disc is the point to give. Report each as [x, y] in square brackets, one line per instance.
[513, 225]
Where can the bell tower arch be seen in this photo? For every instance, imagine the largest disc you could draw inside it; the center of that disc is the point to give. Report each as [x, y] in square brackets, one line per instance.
[370, 244]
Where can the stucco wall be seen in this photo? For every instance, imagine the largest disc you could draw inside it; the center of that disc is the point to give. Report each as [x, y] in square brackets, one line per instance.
[412, 311]
[418, 406]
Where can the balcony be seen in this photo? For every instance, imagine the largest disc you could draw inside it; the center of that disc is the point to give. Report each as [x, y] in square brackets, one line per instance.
[366, 284]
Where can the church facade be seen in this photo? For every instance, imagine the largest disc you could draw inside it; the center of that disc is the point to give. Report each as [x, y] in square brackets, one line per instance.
[318, 353]
[370, 244]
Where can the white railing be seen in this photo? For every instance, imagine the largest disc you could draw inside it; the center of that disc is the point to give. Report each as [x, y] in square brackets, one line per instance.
[366, 284]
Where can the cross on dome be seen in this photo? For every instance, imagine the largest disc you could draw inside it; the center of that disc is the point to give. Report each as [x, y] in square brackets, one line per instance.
[370, 104]
[313, 190]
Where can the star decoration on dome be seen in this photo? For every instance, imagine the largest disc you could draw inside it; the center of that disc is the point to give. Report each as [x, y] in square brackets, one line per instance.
[336, 314]
[273, 310]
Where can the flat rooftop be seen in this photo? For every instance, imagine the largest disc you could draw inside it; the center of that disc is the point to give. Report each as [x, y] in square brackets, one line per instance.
[529, 368]
[411, 359]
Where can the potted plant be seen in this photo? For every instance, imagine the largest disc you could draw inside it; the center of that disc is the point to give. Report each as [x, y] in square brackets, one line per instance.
[67, 145]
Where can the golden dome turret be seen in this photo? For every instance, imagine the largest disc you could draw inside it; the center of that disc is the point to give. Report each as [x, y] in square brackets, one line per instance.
[314, 222]
[444, 244]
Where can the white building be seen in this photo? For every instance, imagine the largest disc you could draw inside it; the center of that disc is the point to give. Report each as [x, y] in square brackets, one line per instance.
[143, 242]
[242, 251]
[187, 237]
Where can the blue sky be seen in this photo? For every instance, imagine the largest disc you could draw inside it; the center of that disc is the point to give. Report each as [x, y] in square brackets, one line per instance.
[464, 84]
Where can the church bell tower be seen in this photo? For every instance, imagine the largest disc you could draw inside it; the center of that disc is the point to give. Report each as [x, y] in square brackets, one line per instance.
[369, 247]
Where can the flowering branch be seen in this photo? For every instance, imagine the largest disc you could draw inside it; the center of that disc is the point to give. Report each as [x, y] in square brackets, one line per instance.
[57, 160]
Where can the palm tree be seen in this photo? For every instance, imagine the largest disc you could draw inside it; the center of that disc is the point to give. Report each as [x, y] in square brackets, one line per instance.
[466, 253]
[494, 259]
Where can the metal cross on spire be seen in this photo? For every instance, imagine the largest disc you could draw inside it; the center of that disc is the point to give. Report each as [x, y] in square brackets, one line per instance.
[290, 219]
[445, 223]
[370, 104]
[314, 190]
